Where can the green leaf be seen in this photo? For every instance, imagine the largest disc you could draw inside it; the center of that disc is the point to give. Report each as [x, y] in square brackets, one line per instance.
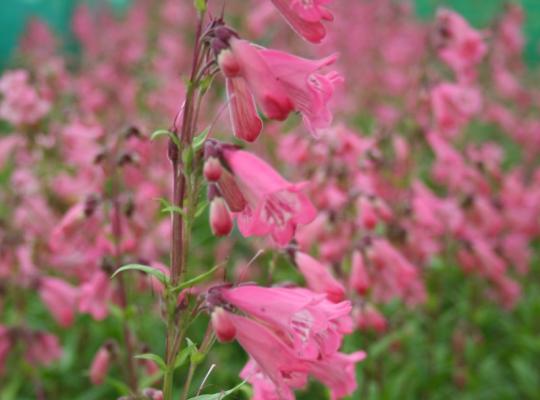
[198, 141]
[218, 396]
[201, 208]
[155, 358]
[197, 279]
[200, 5]
[173, 209]
[143, 268]
[165, 132]
[185, 353]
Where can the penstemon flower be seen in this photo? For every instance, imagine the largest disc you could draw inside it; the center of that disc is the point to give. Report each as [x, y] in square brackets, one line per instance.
[263, 202]
[305, 17]
[280, 83]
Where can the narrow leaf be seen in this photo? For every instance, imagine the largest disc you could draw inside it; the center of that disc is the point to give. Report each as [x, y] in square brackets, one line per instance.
[165, 132]
[218, 396]
[155, 358]
[197, 279]
[143, 268]
[198, 141]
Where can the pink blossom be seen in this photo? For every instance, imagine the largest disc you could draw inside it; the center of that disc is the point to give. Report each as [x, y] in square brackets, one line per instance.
[21, 103]
[94, 296]
[306, 17]
[453, 106]
[338, 372]
[272, 204]
[246, 122]
[221, 221]
[314, 325]
[274, 358]
[462, 47]
[359, 278]
[60, 298]
[319, 278]
[100, 366]
[280, 83]
[42, 349]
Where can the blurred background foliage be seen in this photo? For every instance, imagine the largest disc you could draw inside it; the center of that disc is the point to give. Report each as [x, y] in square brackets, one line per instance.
[15, 14]
[461, 347]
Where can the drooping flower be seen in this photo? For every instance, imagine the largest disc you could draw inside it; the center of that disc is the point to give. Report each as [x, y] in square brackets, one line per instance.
[359, 278]
[314, 325]
[221, 221]
[94, 296]
[269, 204]
[280, 83]
[272, 355]
[453, 106]
[461, 46]
[60, 298]
[338, 372]
[319, 278]
[100, 366]
[305, 17]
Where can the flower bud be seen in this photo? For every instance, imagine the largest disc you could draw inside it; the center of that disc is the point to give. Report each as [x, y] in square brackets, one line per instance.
[359, 279]
[223, 327]
[212, 169]
[100, 366]
[220, 217]
[228, 63]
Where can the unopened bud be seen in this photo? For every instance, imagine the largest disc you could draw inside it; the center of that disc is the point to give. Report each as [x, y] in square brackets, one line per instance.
[228, 63]
[212, 169]
[220, 217]
[223, 326]
[100, 366]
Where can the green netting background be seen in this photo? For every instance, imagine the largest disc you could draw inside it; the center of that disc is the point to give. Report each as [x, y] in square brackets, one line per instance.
[15, 13]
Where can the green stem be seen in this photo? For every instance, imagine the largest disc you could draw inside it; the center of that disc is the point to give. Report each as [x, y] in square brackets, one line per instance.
[181, 227]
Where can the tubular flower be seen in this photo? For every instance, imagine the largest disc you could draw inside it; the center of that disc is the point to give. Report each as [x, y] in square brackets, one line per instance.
[280, 83]
[263, 201]
[277, 365]
[314, 325]
[319, 278]
[272, 355]
[305, 17]
[461, 47]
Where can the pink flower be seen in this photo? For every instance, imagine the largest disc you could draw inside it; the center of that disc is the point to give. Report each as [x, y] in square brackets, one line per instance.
[314, 325]
[264, 202]
[305, 17]
[42, 349]
[359, 279]
[100, 366]
[453, 106]
[280, 83]
[263, 387]
[246, 122]
[338, 372]
[274, 358]
[222, 325]
[221, 221]
[370, 318]
[21, 103]
[94, 296]
[309, 90]
[319, 278]
[462, 47]
[60, 298]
